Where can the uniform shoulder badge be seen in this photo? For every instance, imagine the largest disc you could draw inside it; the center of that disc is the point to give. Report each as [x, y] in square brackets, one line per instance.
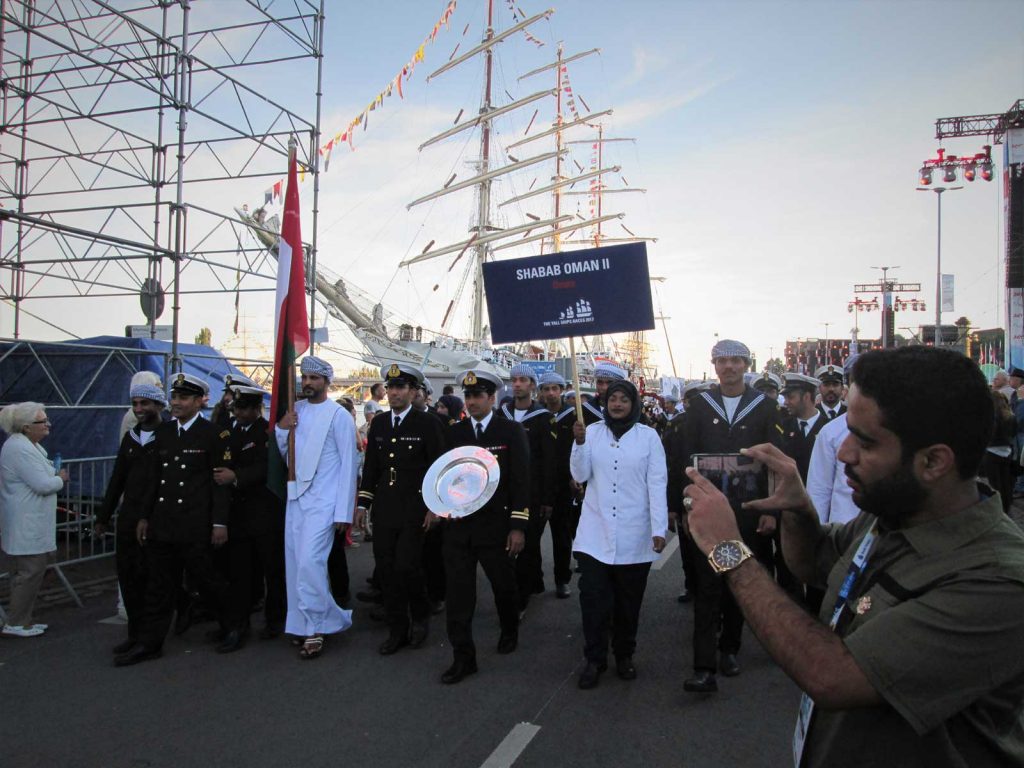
[394, 372]
[470, 379]
[227, 455]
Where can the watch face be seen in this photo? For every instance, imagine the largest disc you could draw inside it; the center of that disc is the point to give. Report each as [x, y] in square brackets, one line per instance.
[727, 554]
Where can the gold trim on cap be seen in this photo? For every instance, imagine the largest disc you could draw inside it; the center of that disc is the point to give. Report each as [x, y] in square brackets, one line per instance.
[470, 379]
[394, 371]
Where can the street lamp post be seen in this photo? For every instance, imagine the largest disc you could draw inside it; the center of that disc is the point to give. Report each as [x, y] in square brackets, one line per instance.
[938, 259]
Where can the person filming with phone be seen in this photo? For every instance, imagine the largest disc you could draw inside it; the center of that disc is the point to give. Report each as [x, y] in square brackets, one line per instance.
[915, 658]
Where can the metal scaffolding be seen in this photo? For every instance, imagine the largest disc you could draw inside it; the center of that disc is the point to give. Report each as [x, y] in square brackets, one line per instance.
[128, 125]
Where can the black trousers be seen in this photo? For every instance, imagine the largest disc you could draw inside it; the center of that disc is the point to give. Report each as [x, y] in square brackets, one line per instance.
[461, 555]
[167, 561]
[686, 556]
[337, 567]
[398, 553]
[433, 562]
[717, 620]
[131, 577]
[610, 600]
[529, 565]
[262, 554]
[562, 532]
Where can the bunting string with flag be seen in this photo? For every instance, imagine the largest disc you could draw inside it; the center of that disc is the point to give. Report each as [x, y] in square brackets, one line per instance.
[291, 323]
[347, 136]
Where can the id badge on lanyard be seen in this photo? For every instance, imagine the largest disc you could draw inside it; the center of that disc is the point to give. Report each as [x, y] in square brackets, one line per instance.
[806, 711]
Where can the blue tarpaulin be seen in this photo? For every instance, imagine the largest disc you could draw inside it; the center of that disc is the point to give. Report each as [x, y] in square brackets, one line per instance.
[84, 384]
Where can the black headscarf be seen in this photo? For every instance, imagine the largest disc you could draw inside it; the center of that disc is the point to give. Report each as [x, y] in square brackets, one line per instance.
[619, 427]
[454, 405]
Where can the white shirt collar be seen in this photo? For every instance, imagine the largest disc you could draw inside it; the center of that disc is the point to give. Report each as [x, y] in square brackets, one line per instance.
[400, 416]
[184, 427]
[810, 420]
[483, 422]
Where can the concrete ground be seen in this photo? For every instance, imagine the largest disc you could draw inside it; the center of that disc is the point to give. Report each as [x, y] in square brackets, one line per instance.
[65, 704]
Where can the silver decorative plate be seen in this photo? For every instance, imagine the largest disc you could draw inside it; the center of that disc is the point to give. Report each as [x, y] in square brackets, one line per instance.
[461, 481]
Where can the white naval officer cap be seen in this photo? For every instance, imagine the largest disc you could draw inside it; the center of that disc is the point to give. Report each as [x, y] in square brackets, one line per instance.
[829, 373]
[475, 380]
[402, 372]
[800, 381]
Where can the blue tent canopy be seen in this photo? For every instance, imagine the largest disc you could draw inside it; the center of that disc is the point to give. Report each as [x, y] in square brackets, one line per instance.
[84, 384]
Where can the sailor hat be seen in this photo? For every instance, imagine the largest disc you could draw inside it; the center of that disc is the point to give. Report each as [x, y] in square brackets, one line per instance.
[551, 377]
[767, 380]
[730, 348]
[315, 366]
[606, 370]
[829, 373]
[247, 396]
[570, 393]
[402, 372]
[149, 392]
[474, 381]
[427, 386]
[800, 381]
[187, 384]
[522, 369]
[232, 379]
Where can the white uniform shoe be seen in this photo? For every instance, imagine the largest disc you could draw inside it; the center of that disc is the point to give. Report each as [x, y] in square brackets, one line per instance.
[43, 627]
[11, 630]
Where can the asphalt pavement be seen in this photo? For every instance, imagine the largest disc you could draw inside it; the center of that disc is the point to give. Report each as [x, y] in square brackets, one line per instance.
[63, 703]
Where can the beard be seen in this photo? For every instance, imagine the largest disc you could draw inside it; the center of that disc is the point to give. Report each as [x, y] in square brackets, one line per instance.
[892, 499]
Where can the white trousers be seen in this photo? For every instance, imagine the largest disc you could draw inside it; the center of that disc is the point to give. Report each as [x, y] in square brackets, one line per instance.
[308, 537]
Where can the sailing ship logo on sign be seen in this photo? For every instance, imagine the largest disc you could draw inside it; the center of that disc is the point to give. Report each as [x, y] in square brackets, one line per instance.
[575, 314]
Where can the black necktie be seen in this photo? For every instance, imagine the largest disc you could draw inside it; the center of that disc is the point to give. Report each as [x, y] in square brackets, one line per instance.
[831, 413]
[479, 431]
[397, 422]
[803, 428]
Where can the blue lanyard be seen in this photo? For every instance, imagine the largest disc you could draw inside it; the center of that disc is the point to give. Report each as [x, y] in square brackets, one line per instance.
[857, 566]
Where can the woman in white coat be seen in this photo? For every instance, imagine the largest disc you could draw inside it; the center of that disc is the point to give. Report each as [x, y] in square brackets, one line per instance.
[622, 527]
[28, 508]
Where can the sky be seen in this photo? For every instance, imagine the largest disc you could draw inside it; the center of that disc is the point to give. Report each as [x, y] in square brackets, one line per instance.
[778, 144]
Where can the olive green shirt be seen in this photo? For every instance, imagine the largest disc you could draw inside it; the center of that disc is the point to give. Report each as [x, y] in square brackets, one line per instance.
[936, 623]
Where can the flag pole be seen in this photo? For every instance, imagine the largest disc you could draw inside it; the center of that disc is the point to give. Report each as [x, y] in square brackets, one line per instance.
[576, 380]
[292, 147]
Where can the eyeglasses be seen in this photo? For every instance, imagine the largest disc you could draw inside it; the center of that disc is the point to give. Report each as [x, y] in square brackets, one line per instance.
[42, 421]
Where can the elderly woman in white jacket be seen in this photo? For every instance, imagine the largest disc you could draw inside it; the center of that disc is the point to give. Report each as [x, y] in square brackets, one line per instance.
[28, 505]
[622, 527]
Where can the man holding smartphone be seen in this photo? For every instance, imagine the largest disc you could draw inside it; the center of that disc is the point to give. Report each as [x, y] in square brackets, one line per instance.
[724, 419]
[915, 657]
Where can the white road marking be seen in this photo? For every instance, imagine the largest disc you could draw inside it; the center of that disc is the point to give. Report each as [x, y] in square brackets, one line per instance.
[511, 746]
[666, 554]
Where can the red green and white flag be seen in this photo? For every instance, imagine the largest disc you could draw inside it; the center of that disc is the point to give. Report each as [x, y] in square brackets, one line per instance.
[291, 323]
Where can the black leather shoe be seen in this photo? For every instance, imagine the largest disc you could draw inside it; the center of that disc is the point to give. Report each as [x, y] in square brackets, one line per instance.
[684, 597]
[590, 675]
[508, 642]
[437, 607]
[233, 641]
[701, 682]
[562, 591]
[624, 668]
[418, 633]
[137, 655]
[393, 644]
[728, 665]
[370, 596]
[271, 631]
[126, 646]
[460, 668]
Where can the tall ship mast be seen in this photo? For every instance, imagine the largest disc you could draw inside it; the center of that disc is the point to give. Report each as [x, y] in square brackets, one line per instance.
[440, 353]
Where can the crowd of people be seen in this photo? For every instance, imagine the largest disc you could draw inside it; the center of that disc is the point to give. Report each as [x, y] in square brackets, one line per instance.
[839, 515]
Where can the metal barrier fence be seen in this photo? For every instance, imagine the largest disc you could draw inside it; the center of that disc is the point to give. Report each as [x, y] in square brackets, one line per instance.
[77, 505]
